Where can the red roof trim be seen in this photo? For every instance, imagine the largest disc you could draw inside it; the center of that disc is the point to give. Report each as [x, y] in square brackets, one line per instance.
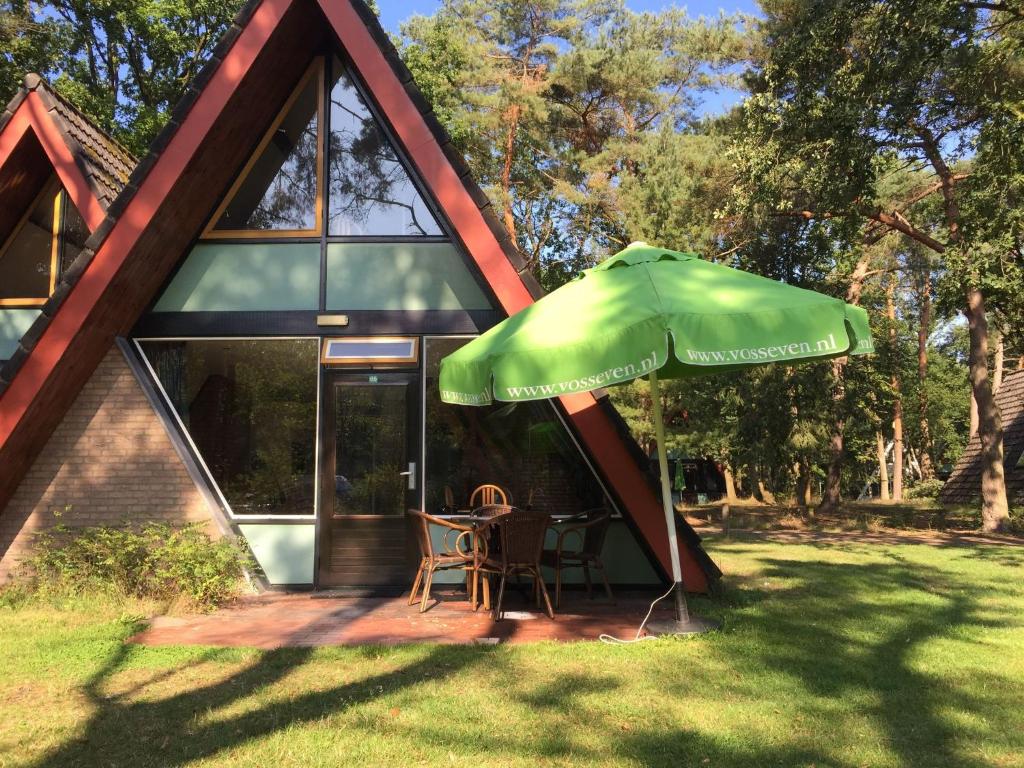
[32, 115]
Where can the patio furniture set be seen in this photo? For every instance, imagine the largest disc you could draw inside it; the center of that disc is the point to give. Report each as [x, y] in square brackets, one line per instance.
[496, 540]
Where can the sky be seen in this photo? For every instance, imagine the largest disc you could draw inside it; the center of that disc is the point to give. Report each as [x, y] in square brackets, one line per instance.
[394, 12]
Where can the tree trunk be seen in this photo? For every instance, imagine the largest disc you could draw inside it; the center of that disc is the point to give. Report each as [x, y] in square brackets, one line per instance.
[997, 374]
[973, 429]
[927, 470]
[763, 493]
[830, 496]
[995, 511]
[512, 121]
[803, 482]
[897, 451]
[730, 482]
[883, 469]
[897, 415]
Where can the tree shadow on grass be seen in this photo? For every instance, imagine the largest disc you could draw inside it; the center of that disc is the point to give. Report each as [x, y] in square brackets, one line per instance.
[126, 730]
[834, 632]
[862, 634]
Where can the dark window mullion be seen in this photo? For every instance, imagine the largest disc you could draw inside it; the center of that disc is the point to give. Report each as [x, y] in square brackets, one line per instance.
[325, 127]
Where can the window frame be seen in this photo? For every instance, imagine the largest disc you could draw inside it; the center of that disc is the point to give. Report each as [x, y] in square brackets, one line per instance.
[392, 361]
[183, 432]
[316, 70]
[51, 187]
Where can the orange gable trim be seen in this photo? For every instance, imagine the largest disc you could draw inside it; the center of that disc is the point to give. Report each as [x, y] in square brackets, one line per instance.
[33, 116]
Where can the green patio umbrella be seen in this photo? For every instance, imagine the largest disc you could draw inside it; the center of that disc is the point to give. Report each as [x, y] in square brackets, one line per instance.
[657, 313]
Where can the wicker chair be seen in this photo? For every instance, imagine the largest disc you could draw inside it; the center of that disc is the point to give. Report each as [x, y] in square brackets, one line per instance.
[492, 510]
[589, 529]
[457, 554]
[520, 538]
[489, 494]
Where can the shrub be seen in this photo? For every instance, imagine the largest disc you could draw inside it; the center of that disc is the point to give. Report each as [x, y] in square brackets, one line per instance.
[156, 561]
[925, 489]
[1016, 526]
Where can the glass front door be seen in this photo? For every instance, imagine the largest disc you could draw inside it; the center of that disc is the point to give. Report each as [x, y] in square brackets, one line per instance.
[370, 476]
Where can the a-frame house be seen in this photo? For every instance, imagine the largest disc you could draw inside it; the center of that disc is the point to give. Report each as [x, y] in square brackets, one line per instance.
[58, 175]
[252, 335]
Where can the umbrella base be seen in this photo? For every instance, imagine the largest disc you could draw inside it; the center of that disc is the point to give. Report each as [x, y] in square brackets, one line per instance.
[695, 625]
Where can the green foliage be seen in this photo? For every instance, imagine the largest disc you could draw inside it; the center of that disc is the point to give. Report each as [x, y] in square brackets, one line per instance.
[27, 44]
[124, 63]
[156, 561]
[565, 107]
[925, 489]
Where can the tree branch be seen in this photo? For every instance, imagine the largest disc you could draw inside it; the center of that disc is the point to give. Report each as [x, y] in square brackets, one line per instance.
[898, 222]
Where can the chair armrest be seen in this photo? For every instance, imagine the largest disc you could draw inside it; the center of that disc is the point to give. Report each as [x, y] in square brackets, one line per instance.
[578, 529]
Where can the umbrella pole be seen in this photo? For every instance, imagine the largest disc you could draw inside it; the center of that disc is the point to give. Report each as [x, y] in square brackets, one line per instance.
[682, 611]
[684, 623]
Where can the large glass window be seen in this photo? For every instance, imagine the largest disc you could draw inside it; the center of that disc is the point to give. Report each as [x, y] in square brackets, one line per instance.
[370, 190]
[279, 190]
[522, 447]
[250, 408]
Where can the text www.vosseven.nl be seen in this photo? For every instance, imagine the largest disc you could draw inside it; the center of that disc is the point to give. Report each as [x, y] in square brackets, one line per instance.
[761, 354]
[586, 383]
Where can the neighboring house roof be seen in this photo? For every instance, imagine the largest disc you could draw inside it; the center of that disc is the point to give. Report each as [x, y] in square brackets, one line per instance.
[964, 485]
[104, 164]
[171, 191]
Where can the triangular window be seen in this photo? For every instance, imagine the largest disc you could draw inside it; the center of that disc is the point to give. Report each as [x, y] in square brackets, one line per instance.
[281, 193]
[279, 190]
[370, 191]
[45, 242]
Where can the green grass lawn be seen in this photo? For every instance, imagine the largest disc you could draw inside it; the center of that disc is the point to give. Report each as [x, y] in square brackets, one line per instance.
[845, 654]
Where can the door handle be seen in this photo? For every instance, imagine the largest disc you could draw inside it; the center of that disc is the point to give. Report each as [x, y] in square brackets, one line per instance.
[411, 474]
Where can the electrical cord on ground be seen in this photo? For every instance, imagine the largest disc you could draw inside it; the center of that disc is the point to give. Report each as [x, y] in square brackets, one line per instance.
[610, 640]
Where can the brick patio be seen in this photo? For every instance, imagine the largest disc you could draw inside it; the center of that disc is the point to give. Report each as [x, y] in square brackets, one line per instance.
[276, 620]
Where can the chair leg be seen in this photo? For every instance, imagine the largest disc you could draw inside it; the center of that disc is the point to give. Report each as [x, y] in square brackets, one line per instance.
[426, 588]
[475, 576]
[604, 578]
[586, 578]
[544, 591]
[501, 595]
[487, 591]
[416, 584]
[558, 583]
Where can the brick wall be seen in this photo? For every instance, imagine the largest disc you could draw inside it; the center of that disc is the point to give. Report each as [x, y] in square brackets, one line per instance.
[109, 461]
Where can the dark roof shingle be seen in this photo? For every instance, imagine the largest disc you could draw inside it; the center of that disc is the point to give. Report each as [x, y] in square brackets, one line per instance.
[964, 485]
[104, 163]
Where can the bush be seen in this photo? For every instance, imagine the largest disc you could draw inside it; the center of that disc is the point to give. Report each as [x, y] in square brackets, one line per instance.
[1016, 526]
[925, 489]
[156, 561]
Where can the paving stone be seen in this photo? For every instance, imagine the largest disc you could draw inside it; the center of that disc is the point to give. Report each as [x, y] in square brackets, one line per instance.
[303, 620]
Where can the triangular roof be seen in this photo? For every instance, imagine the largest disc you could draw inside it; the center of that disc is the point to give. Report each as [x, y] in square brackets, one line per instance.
[172, 190]
[91, 165]
[964, 484]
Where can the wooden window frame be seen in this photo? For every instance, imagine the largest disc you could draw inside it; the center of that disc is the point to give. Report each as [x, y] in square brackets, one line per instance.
[392, 361]
[52, 187]
[315, 70]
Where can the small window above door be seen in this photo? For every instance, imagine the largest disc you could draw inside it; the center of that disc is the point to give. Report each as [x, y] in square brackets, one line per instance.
[372, 351]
